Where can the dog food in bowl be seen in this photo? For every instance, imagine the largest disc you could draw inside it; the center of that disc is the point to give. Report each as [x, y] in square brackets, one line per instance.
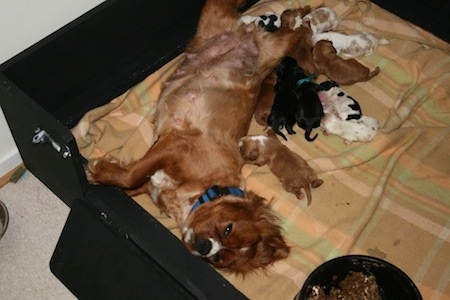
[356, 285]
[336, 276]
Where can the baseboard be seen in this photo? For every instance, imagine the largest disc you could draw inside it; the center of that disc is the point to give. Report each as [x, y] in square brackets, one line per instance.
[7, 177]
[8, 166]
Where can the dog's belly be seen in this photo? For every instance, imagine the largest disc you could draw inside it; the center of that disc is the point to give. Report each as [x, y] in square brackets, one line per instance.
[211, 88]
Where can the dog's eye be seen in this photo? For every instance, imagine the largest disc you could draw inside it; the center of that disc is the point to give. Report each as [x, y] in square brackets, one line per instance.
[227, 230]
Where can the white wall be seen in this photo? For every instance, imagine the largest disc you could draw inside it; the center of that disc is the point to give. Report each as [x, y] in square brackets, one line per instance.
[23, 23]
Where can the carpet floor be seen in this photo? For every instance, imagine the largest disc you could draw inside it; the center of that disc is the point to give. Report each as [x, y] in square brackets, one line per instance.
[36, 219]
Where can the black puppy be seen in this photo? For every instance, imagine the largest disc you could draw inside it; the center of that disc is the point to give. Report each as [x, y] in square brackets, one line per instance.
[309, 109]
[285, 104]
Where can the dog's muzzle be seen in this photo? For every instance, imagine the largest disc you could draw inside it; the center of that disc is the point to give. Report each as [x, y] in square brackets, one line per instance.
[203, 246]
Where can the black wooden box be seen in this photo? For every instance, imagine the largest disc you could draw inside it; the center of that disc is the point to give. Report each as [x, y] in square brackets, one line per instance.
[110, 247]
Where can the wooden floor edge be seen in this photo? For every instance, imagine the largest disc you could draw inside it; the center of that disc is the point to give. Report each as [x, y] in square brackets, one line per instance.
[5, 178]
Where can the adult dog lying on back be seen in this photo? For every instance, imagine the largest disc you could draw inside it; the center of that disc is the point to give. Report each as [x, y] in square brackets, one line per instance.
[205, 107]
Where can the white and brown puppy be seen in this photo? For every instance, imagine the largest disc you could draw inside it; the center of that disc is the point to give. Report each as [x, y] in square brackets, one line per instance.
[322, 19]
[292, 170]
[351, 45]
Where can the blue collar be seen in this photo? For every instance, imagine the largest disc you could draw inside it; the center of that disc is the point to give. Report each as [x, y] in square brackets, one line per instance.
[216, 192]
[306, 79]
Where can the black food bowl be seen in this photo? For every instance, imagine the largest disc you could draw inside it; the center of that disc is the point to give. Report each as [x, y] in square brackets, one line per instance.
[392, 282]
[4, 218]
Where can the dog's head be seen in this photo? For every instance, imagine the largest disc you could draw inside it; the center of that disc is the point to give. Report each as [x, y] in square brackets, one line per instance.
[236, 234]
[251, 149]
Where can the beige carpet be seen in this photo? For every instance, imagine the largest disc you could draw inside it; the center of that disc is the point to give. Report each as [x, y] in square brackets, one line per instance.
[37, 217]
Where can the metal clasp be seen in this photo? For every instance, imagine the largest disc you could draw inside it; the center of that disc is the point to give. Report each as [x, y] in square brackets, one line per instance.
[41, 137]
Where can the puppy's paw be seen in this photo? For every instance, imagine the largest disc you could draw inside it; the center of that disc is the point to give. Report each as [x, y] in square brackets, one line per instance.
[299, 195]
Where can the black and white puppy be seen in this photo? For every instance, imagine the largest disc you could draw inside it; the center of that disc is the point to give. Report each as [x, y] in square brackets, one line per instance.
[285, 104]
[343, 115]
[334, 98]
[309, 110]
[270, 21]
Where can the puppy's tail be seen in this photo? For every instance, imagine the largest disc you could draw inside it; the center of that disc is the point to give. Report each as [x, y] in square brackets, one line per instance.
[277, 131]
[308, 192]
[373, 73]
[307, 135]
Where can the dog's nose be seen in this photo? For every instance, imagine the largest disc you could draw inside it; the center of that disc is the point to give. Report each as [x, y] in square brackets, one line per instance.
[203, 246]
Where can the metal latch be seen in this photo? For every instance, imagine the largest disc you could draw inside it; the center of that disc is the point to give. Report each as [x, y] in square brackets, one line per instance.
[41, 136]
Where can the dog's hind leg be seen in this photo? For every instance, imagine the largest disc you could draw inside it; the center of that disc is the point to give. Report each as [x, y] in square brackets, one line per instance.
[134, 175]
[217, 17]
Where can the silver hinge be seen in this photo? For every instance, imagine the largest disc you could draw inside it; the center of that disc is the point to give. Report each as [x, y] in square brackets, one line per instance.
[41, 136]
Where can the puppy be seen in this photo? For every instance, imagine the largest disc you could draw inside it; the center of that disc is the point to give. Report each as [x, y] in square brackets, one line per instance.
[336, 100]
[270, 21]
[309, 110]
[351, 45]
[265, 99]
[343, 115]
[322, 19]
[284, 106]
[342, 71]
[292, 170]
[363, 129]
[293, 18]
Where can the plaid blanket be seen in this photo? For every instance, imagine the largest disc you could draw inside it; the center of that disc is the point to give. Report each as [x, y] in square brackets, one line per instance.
[388, 198]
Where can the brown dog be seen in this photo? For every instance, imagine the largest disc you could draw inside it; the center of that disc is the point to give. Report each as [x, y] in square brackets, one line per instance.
[292, 170]
[193, 170]
[342, 71]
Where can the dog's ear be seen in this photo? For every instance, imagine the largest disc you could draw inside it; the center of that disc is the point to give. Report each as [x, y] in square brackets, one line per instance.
[272, 246]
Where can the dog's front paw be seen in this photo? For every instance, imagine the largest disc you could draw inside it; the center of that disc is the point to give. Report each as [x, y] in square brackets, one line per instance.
[95, 168]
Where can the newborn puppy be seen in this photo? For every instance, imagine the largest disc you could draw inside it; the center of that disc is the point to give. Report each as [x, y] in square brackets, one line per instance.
[293, 18]
[336, 100]
[265, 99]
[343, 115]
[322, 19]
[309, 110]
[362, 130]
[284, 106]
[343, 71]
[292, 170]
[270, 21]
[351, 45]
